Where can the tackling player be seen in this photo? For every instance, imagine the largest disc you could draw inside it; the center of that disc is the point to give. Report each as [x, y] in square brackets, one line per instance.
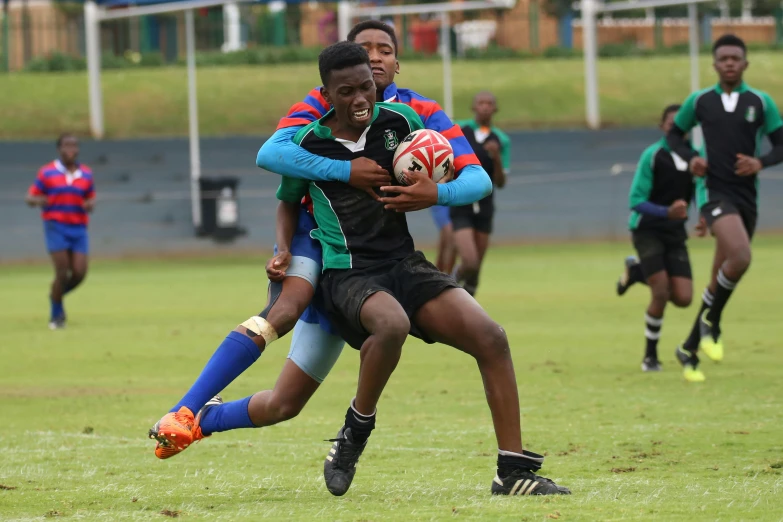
[659, 198]
[734, 117]
[473, 223]
[65, 192]
[377, 288]
[296, 267]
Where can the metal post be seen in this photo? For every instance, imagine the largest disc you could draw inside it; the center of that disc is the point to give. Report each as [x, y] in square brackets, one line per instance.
[232, 40]
[93, 45]
[6, 39]
[343, 19]
[590, 49]
[693, 40]
[195, 152]
[445, 49]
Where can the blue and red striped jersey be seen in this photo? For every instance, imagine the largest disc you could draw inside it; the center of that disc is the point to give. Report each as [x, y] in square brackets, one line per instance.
[314, 106]
[65, 192]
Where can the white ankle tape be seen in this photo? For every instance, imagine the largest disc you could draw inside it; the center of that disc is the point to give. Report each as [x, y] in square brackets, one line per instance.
[260, 326]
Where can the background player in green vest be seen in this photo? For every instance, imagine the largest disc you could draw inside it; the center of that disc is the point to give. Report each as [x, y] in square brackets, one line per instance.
[734, 118]
[377, 289]
[472, 224]
[660, 193]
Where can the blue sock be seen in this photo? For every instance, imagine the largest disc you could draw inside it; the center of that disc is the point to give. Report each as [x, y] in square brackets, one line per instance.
[234, 355]
[228, 416]
[57, 309]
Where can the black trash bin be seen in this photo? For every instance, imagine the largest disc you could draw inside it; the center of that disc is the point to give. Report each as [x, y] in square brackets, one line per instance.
[219, 209]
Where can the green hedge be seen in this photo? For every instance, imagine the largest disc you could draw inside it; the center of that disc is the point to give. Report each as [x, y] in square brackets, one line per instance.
[278, 55]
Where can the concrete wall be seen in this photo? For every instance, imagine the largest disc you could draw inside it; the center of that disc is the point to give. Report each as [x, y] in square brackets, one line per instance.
[561, 188]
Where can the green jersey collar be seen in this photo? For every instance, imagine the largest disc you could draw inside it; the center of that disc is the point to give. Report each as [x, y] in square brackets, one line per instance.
[324, 132]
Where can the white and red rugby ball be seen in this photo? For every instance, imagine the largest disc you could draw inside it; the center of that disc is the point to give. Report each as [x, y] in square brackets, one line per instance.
[426, 151]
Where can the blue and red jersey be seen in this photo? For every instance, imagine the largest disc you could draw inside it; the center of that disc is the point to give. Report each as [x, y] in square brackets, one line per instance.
[314, 106]
[65, 192]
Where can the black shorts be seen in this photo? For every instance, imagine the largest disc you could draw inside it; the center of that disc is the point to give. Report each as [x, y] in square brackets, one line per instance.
[477, 216]
[658, 252]
[412, 282]
[721, 205]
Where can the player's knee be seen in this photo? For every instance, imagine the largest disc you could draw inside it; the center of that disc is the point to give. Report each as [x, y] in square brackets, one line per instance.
[284, 314]
[392, 329]
[682, 298]
[740, 261]
[494, 342]
[469, 268]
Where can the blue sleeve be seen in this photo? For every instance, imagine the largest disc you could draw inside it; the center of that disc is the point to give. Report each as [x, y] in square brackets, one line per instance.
[471, 185]
[282, 156]
[651, 209]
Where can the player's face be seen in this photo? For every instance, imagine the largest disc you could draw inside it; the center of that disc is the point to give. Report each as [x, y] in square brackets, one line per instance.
[668, 122]
[69, 149]
[352, 93]
[729, 62]
[384, 63]
[484, 107]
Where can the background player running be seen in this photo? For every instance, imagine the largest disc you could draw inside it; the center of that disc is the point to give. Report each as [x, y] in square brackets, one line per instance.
[296, 268]
[660, 194]
[472, 224]
[377, 288]
[733, 117]
[65, 192]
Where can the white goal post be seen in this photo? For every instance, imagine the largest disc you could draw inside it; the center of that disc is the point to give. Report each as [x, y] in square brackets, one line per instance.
[590, 9]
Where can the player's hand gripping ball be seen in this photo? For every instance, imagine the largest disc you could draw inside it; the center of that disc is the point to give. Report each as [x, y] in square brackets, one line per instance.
[425, 151]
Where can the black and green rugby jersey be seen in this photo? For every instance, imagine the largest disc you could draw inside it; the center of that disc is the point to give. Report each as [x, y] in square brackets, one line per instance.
[355, 231]
[732, 123]
[661, 178]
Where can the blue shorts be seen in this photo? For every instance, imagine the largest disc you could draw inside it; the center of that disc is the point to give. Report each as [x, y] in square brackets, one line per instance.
[315, 345]
[440, 215]
[60, 236]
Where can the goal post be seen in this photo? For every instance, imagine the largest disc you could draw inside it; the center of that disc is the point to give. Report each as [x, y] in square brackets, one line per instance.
[591, 9]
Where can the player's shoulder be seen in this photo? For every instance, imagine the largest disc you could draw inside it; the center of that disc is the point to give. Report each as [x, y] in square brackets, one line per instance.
[502, 136]
[650, 152]
[86, 170]
[305, 133]
[420, 103]
[763, 96]
[49, 168]
[399, 109]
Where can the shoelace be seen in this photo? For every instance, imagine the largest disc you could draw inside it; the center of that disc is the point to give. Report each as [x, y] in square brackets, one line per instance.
[348, 451]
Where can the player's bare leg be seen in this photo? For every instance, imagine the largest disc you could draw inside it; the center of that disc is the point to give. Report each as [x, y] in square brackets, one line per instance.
[734, 245]
[388, 325]
[470, 259]
[61, 264]
[468, 328]
[292, 391]
[680, 291]
[77, 262]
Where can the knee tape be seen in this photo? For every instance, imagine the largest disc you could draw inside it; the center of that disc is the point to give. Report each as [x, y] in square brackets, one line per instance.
[260, 326]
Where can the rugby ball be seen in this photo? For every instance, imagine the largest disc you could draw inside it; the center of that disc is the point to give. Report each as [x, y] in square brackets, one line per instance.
[425, 151]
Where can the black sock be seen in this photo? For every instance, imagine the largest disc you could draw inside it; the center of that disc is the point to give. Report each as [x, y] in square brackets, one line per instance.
[652, 333]
[692, 342]
[527, 461]
[722, 294]
[636, 274]
[361, 425]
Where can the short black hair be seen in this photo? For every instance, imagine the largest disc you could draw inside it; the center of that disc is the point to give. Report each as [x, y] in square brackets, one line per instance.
[373, 24]
[669, 109]
[341, 56]
[729, 40]
[63, 136]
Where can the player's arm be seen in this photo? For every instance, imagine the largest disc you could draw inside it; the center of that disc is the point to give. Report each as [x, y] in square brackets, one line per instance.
[37, 193]
[472, 182]
[639, 197]
[290, 193]
[505, 158]
[773, 127]
[89, 198]
[684, 121]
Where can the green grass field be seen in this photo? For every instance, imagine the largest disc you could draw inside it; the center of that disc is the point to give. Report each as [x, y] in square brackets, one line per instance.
[76, 404]
[250, 100]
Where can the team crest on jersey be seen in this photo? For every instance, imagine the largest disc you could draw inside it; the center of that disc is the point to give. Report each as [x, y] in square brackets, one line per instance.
[751, 114]
[390, 138]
